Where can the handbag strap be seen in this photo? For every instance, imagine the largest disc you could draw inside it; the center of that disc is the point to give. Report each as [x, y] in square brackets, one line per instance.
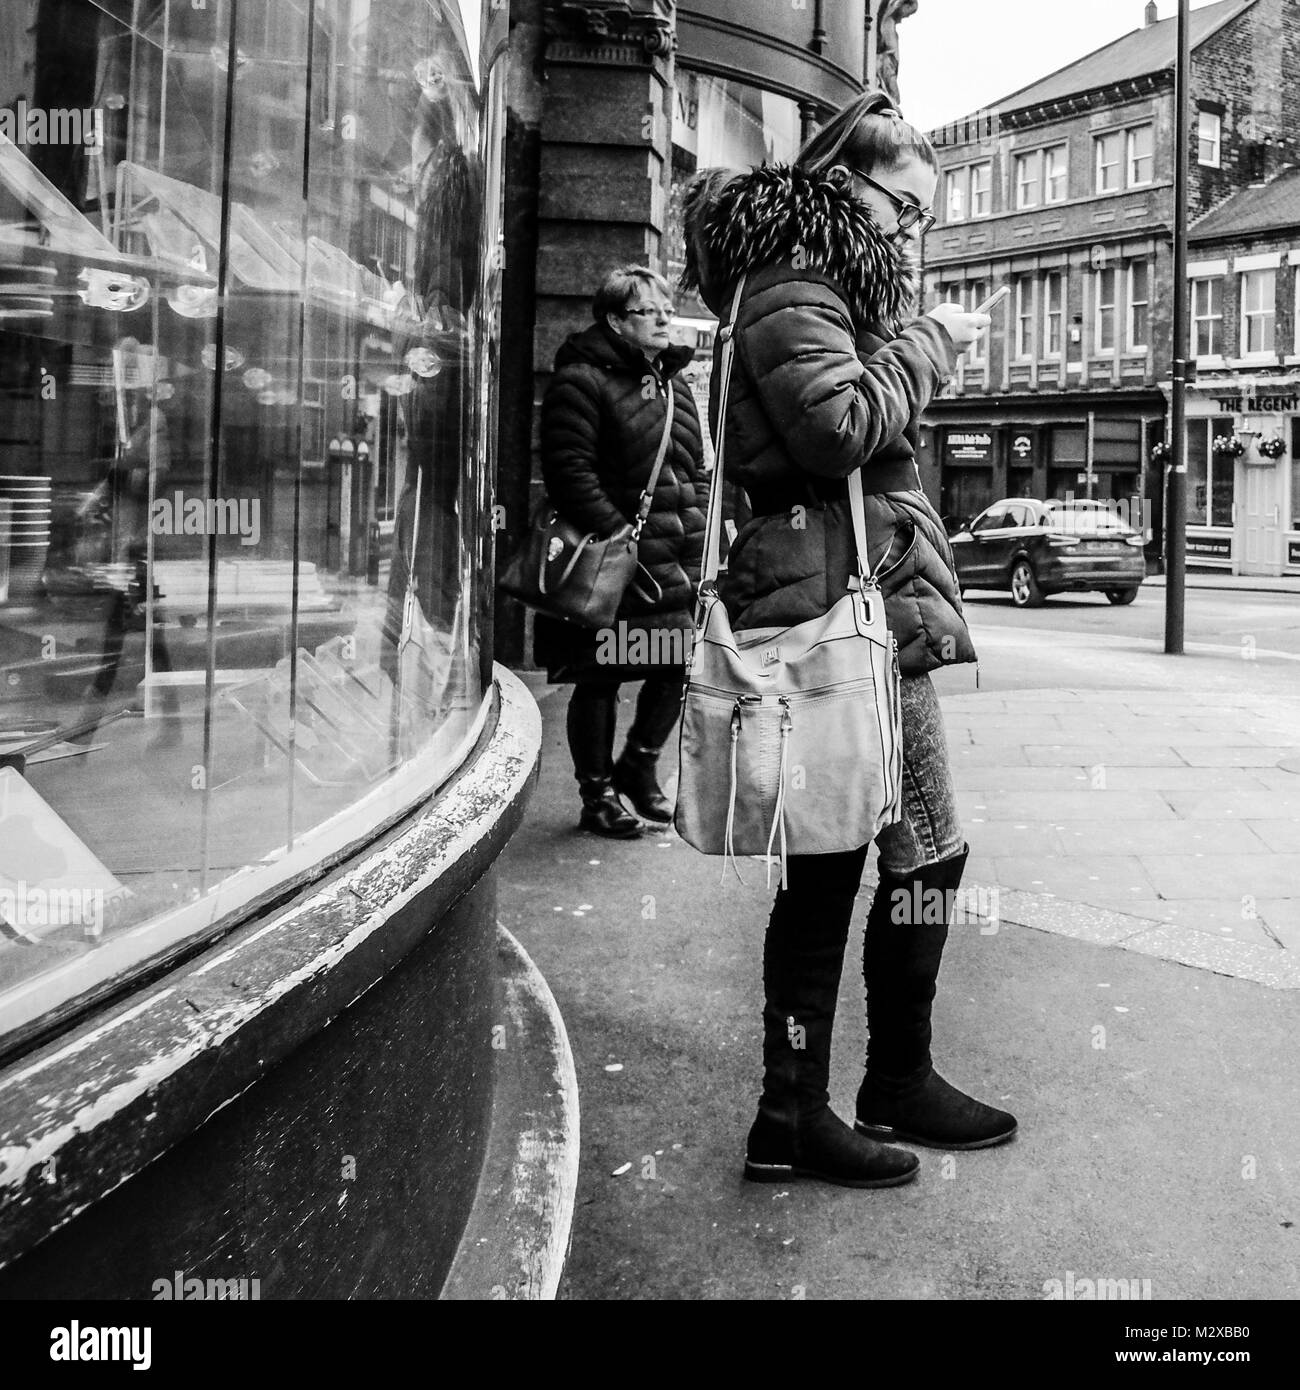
[412, 584]
[713, 526]
[648, 493]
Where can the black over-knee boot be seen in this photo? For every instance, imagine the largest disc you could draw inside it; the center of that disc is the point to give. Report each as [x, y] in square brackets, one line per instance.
[796, 1133]
[592, 717]
[657, 708]
[902, 1097]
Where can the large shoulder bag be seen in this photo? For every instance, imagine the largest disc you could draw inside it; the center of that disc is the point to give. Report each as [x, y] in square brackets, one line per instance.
[575, 575]
[790, 737]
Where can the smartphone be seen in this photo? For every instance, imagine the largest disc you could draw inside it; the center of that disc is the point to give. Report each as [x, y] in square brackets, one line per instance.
[992, 301]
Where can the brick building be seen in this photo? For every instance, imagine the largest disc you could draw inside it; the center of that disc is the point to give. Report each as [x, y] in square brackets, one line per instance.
[1065, 192]
[1243, 412]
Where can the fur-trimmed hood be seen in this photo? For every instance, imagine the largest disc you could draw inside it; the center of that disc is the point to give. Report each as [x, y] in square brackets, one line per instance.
[738, 223]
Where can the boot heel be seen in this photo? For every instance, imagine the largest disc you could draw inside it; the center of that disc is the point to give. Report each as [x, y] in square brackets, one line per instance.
[883, 1134]
[769, 1172]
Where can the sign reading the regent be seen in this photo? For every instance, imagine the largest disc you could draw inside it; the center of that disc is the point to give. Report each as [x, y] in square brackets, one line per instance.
[1247, 405]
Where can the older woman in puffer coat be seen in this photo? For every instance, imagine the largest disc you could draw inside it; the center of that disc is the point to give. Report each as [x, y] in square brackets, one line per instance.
[603, 419]
[829, 376]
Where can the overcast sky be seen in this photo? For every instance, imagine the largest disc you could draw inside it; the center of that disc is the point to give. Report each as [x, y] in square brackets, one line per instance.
[959, 55]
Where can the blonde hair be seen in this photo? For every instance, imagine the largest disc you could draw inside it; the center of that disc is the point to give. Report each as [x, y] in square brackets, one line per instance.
[618, 287]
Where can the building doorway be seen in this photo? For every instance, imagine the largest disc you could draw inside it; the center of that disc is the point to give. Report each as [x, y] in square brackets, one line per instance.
[1259, 527]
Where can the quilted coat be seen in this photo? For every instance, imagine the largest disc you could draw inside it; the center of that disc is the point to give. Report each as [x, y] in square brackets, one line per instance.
[602, 420]
[827, 378]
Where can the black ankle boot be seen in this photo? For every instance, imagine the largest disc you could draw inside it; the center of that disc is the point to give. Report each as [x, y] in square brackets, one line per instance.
[902, 1097]
[604, 814]
[796, 1133]
[634, 778]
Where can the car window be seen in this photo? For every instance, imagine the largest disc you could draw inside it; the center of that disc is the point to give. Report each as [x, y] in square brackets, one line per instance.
[993, 519]
[1020, 515]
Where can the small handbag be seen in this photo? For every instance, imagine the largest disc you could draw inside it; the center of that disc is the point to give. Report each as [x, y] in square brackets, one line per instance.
[790, 737]
[578, 576]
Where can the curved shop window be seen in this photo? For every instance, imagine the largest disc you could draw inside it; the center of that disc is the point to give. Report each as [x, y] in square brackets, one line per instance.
[248, 293]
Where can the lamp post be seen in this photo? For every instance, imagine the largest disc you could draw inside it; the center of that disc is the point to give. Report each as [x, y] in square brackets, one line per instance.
[1176, 492]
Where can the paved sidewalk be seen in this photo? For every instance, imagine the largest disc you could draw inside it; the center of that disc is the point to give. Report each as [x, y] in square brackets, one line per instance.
[1247, 583]
[1155, 820]
[1130, 833]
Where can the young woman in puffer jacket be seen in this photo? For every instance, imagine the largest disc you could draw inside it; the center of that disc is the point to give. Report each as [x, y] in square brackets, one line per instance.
[829, 376]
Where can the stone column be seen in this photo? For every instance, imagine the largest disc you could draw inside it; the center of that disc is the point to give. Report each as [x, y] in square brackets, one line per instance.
[606, 159]
[589, 167]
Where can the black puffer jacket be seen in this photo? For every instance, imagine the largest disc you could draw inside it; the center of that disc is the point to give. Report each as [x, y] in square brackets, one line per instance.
[602, 420]
[825, 381]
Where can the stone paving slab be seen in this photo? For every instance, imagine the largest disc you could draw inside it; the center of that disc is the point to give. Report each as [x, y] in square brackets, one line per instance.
[1265, 964]
[1281, 836]
[1234, 755]
[1083, 802]
[1224, 875]
[1100, 880]
[1104, 755]
[1165, 837]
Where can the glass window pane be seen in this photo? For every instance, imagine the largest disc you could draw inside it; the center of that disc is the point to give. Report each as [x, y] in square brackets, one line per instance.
[231, 376]
[1223, 490]
[1198, 464]
[1141, 155]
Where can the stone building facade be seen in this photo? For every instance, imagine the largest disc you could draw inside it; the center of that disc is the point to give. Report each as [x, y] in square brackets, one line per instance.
[1064, 191]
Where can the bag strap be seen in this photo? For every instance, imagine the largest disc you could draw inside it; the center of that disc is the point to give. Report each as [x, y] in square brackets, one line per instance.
[648, 493]
[713, 527]
[412, 584]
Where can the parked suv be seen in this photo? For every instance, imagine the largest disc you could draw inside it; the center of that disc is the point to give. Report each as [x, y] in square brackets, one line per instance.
[1039, 548]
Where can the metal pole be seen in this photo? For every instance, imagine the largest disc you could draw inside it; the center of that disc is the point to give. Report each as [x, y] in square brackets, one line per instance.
[1176, 496]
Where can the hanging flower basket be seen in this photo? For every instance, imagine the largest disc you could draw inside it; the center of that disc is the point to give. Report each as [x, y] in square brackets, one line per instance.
[1228, 446]
[1273, 448]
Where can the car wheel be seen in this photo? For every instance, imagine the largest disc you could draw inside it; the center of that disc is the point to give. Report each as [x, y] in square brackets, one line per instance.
[1025, 592]
[1120, 597]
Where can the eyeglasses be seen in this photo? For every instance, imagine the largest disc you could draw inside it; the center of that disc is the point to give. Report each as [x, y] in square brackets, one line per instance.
[661, 311]
[909, 213]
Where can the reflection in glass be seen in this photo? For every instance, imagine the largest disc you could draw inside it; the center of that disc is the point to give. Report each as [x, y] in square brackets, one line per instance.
[248, 339]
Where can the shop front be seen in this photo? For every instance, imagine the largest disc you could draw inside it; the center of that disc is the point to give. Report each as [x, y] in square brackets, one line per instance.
[1029, 450]
[1243, 479]
[253, 762]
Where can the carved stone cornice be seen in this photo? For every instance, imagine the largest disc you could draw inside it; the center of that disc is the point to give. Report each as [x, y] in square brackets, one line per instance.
[644, 24]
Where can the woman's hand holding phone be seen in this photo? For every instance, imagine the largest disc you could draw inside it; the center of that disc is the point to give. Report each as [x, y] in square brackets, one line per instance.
[963, 328]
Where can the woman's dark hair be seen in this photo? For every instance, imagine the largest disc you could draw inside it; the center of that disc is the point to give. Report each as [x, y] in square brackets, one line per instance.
[869, 133]
[618, 287]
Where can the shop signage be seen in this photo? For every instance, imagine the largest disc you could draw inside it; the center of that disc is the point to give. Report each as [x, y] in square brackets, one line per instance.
[1218, 546]
[1022, 445]
[1293, 552]
[1247, 405]
[971, 446]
